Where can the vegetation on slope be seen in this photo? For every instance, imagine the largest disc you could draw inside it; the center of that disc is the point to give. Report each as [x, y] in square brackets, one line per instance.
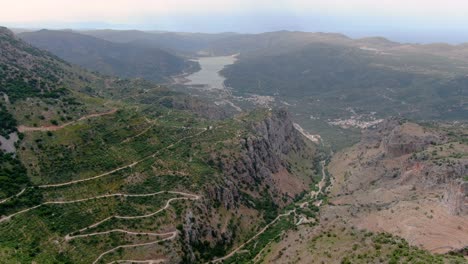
[13, 175]
[146, 180]
[7, 122]
[124, 60]
[328, 79]
[357, 246]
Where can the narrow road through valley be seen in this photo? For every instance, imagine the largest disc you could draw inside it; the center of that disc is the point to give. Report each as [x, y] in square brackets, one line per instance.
[313, 195]
[321, 184]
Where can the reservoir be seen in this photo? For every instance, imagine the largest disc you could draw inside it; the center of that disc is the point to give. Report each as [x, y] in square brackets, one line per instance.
[209, 76]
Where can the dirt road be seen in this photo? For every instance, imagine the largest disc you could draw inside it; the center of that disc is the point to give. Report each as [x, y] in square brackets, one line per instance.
[23, 129]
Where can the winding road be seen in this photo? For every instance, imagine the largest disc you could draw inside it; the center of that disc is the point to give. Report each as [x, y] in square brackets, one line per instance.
[194, 197]
[149, 261]
[174, 235]
[168, 203]
[68, 237]
[252, 238]
[11, 197]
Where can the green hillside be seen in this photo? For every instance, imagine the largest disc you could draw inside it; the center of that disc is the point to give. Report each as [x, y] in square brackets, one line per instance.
[327, 79]
[109, 169]
[120, 59]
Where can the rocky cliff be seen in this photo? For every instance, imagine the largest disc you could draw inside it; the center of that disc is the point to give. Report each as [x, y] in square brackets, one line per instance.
[456, 197]
[258, 176]
[406, 138]
[264, 162]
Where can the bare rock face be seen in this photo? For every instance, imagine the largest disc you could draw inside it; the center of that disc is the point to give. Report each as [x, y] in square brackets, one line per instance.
[408, 138]
[263, 155]
[255, 172]
[456, 197]
[433, 175]
[227, 195]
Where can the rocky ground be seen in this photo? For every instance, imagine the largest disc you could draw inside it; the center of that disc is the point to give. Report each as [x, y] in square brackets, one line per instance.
[402, 179]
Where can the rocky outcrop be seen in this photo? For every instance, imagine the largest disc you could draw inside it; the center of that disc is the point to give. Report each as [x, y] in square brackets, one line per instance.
[433, 175]
[408, 138]
[456, 197]
[227, 195]
[253, 171]
[264, 154]
[407, 153]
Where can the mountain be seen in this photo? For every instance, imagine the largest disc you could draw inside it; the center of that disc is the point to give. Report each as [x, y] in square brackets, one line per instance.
[100, 169]
[326, 80]
[180, 42]
[107, 169]
[403, 179]
[109, 58]
[270, 43]
[342, 77]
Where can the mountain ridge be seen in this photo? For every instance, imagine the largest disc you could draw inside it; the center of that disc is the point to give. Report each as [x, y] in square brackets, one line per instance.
[110, 58]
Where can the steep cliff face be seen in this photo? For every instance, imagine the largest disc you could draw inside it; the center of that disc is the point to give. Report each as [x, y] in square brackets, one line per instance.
[259, 174]
[407, 138]
[433, 175]
[456, 197]
[265, 162]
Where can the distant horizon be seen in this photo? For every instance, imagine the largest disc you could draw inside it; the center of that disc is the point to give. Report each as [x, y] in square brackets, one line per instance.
[415, 21]
[390, 37]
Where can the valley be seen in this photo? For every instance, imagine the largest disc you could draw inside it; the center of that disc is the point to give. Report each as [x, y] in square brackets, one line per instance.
[287, 152]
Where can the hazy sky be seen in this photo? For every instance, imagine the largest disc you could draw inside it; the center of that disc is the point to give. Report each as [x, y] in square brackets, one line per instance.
[412, 20]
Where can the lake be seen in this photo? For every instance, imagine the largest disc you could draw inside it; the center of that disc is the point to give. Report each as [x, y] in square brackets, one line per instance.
[209, 75]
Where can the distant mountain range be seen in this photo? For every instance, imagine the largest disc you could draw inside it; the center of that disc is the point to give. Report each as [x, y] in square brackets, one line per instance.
[178, 42]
